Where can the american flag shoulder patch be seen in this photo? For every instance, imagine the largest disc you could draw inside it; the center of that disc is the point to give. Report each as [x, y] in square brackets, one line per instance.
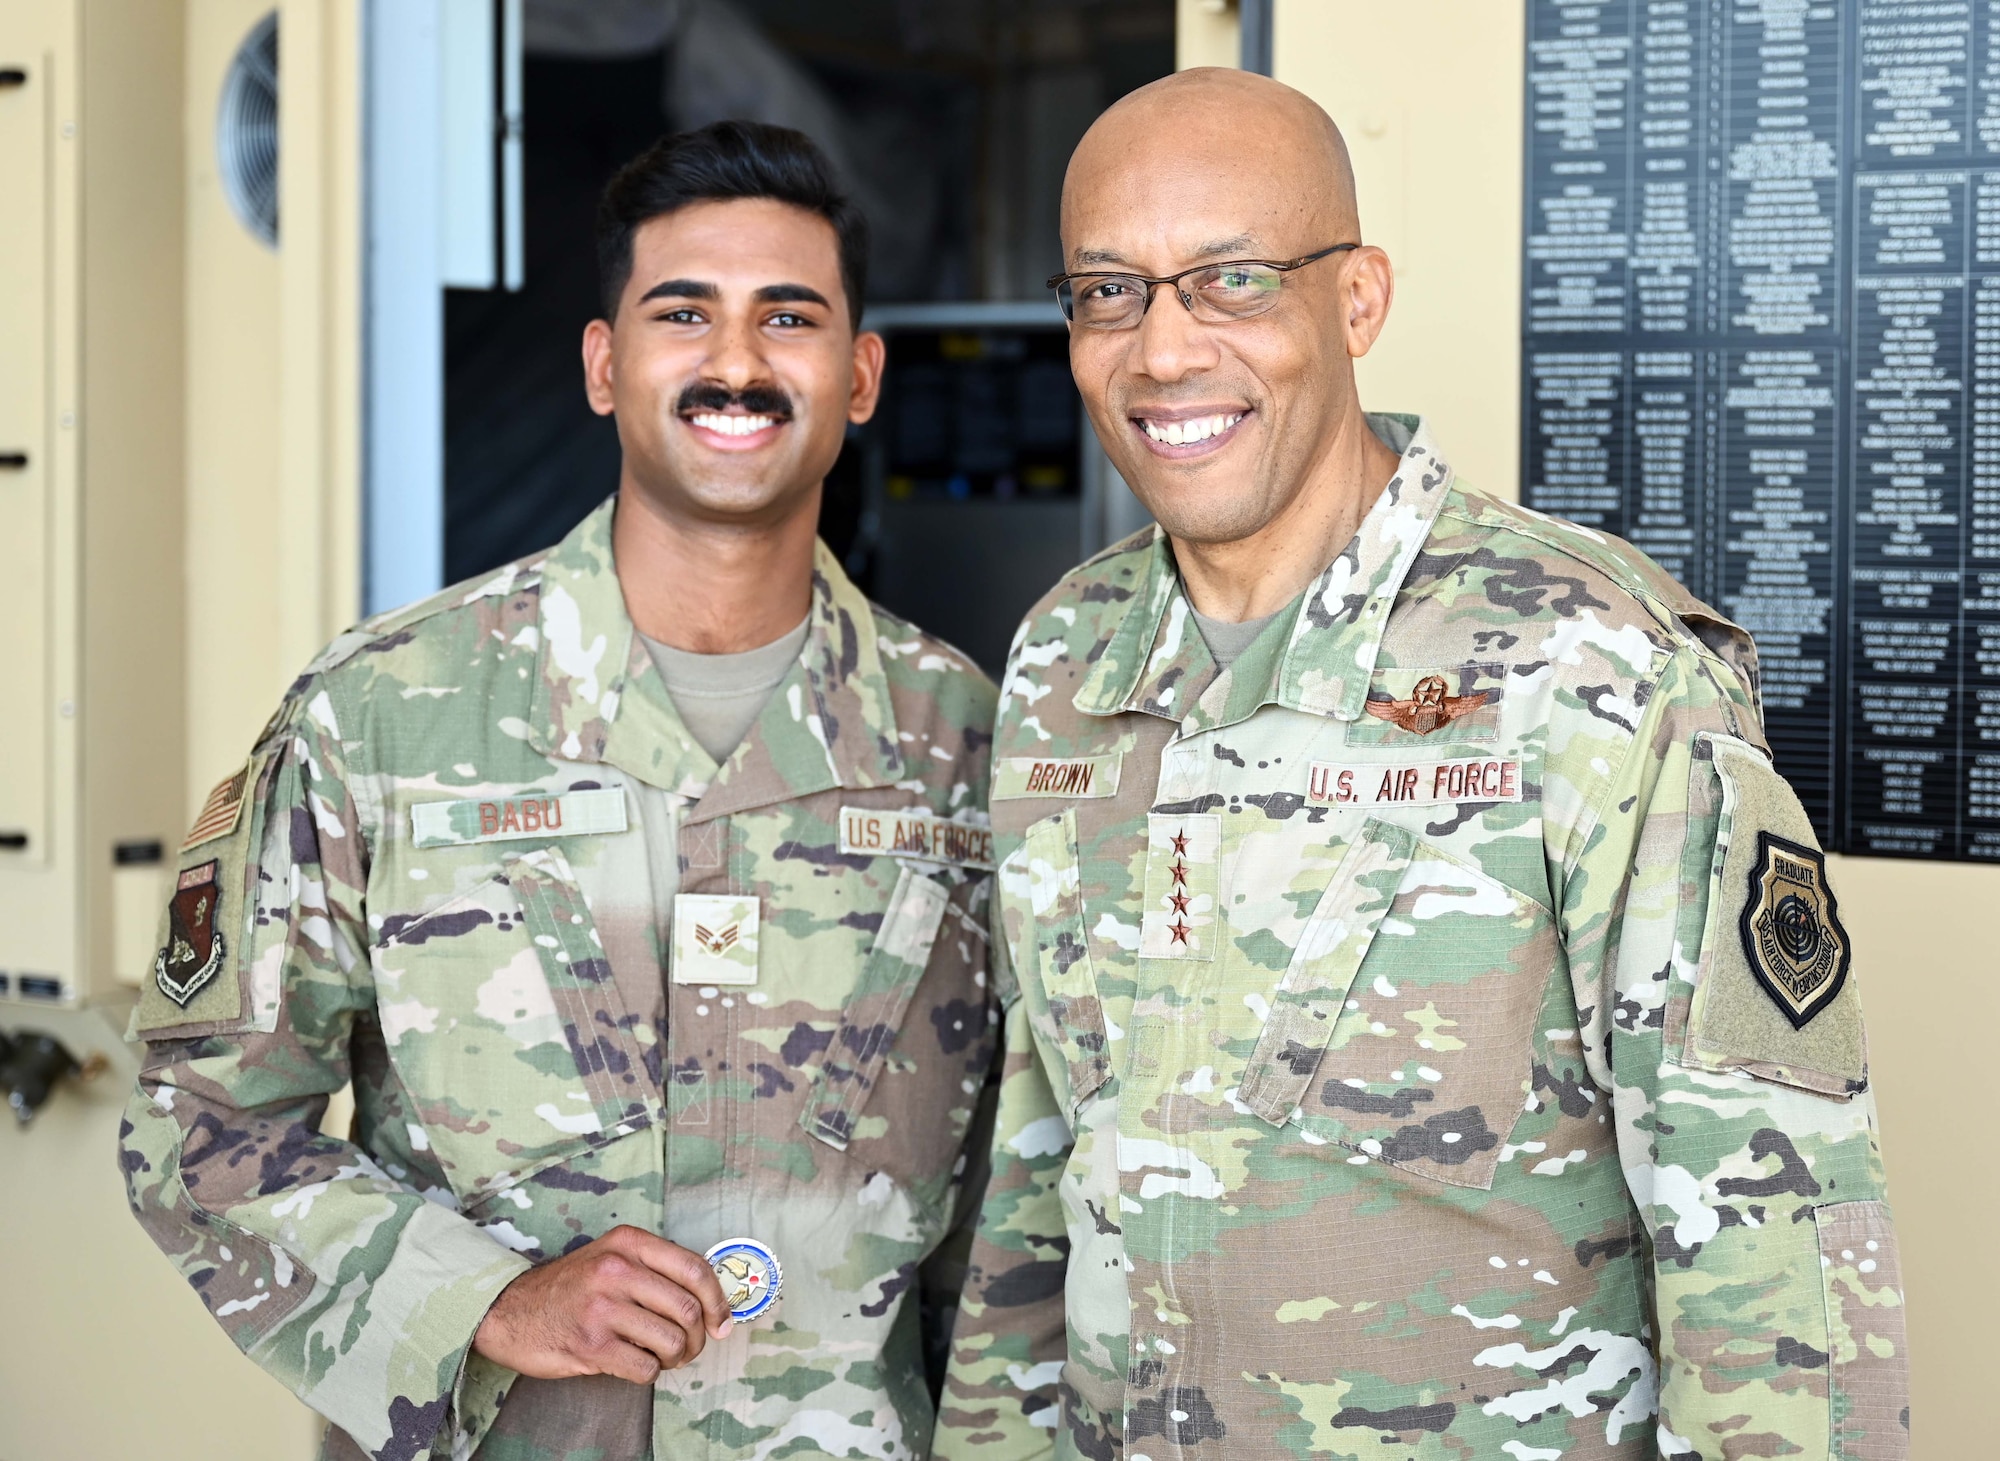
[219, 813]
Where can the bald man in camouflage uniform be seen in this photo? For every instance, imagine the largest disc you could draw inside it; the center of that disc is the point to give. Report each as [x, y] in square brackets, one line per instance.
[1430, 1030]
[606, 995]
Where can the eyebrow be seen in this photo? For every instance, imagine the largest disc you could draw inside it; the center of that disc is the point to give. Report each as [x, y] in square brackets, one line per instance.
[1212, 249]
[790, 294]
[681, 289]
[701, 289]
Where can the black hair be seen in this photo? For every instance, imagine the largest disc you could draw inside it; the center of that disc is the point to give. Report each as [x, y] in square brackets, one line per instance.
[721, 161]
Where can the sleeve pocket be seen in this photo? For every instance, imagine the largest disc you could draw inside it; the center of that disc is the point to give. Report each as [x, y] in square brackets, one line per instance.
[1772, 997]
[201, 977]
[1868, 1380]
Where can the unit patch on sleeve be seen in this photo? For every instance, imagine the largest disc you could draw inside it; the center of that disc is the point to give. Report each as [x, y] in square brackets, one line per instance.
[1791, 929]
[1073, 777]
[195, 945]
[1413, 783]
[867, 832]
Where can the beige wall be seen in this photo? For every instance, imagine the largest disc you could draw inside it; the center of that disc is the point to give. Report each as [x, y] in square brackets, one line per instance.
[1429, 94]
[222, 498]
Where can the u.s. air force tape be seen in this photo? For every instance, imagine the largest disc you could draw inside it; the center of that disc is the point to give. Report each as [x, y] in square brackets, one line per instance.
[751, 1277]
[1413, 783]
[866, 832]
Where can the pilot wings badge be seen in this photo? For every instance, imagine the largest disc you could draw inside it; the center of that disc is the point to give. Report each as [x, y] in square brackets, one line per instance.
[1429, 708]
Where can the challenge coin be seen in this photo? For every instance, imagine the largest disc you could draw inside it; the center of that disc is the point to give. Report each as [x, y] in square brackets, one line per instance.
[751, 1276]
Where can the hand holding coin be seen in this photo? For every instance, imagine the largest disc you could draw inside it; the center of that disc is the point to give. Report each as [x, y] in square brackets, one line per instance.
[628, 1304]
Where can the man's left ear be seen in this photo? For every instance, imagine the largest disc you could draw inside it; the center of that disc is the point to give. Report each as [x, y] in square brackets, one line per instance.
[1371, 285]
[870, 355]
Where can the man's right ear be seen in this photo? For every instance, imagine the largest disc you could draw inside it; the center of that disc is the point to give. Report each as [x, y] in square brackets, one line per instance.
[597, 366]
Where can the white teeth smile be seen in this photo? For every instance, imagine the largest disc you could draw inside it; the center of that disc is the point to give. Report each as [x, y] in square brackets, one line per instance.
[732, 425]
[1185, 433]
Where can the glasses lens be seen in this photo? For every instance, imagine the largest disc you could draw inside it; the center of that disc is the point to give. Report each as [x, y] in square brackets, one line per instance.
[1234, 291]
[1108, 301]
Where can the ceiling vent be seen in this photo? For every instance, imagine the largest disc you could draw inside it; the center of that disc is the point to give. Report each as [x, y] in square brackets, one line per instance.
[246, 130]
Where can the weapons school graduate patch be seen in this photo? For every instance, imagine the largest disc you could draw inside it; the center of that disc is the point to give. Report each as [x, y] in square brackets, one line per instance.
[195, 945]
[1791, 929]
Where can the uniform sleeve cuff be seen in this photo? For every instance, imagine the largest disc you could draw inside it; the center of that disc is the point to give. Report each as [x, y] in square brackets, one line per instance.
[414, 1355]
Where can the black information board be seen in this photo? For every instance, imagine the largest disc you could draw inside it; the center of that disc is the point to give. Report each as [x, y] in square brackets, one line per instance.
[1761, 339]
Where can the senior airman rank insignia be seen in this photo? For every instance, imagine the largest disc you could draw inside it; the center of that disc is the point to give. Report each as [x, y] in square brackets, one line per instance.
[1791, 929]
[194, 942]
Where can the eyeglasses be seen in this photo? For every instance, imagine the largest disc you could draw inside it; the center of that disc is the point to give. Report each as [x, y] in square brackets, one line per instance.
[1212, 293]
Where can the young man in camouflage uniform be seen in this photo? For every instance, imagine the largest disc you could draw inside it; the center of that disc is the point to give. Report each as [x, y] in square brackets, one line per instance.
[1431, 1032]
[632, 936]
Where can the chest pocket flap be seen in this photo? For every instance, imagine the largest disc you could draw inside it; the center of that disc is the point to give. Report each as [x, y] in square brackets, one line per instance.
[497, 1007]
[874, 1012]
[1062, 960]
[1322, 969]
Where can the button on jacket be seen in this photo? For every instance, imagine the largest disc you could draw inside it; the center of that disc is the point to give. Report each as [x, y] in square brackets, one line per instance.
[579, 976]
[1432, 1036]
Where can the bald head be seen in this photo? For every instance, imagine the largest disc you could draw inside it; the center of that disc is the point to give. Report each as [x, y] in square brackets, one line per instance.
[1232, 425]
[1230, 137]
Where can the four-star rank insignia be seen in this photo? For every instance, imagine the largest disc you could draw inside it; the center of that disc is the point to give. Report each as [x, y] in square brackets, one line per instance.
[1791, 929]
[195, 944]
[1429, 708]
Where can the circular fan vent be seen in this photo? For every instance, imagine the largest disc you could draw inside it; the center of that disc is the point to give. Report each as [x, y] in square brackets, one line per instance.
[246, 130]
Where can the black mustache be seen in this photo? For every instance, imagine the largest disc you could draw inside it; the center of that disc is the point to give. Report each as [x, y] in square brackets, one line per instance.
[755, 400]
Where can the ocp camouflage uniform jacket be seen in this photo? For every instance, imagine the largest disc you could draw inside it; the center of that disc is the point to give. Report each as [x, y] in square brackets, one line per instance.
[1388, 1059]
[449, 878]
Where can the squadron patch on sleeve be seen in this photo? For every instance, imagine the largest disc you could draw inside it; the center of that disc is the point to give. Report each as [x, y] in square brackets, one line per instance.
[1791, 929]
[195, 945]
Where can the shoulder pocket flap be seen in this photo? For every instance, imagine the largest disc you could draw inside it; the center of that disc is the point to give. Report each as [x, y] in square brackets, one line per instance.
[1062, 953]
[1867, 1344]
[874, 1012]
[197, 984]
[1772, 996]
[1331, 947]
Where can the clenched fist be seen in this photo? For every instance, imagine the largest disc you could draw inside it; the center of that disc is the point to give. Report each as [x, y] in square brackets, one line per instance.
[628, 1304]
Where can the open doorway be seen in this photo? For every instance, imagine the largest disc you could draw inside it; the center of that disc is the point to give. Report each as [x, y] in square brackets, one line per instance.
[951, 121]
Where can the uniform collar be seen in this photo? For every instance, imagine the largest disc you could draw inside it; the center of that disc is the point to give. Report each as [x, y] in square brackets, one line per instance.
[599, 698]
[1155, 660]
